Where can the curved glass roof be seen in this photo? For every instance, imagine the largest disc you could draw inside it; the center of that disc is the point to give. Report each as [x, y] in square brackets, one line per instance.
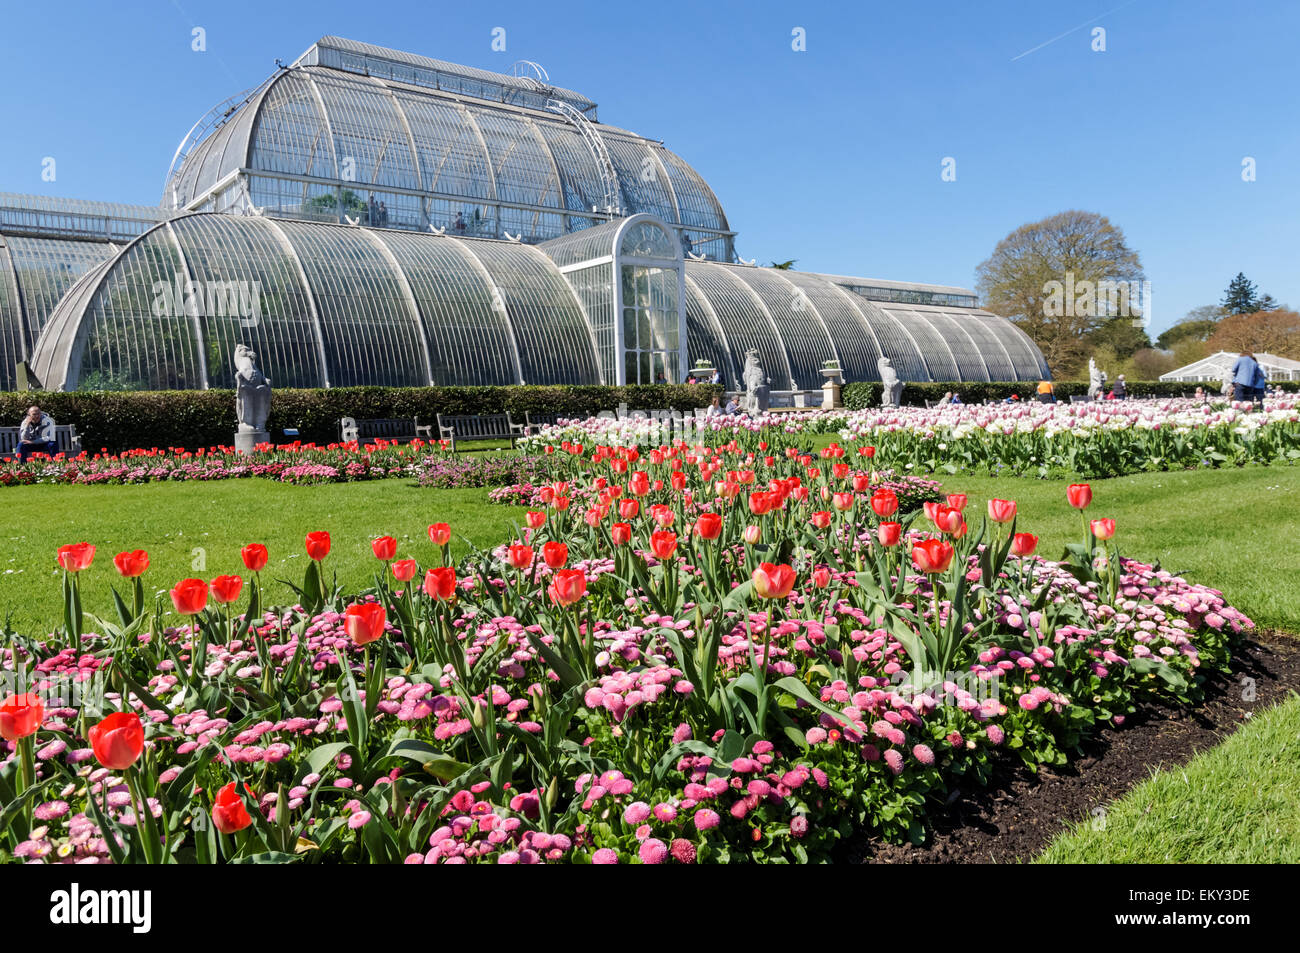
[34, 274]
[317, 123]
[336, 305]
[798, 320]
[321, 304]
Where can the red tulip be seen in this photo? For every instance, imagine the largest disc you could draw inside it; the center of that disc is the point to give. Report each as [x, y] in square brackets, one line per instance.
[439, 534]
[948, 520]
[385, 547]
[678, 481]
[621, 533]
[773, 581]
[1103, 529]
[364, 622]
[708, 526]
[190, 596]
[131, 564]
[932, 556]
[842, 501]
[318, 545]
[254, 555]
[404, 570]
[867, 452]
[760, 503]
[663, 544]
[640, 483]
[521, 557]
[118, 740]
[535, 519]
[821, 577]
[840, 470]
[440, 584]
[662, 514]
[555, 554]
[567, 586]
[76, 557]
[889, 533]
[628, 509]
[884, 502]
[1002, 511]
[1079, 495]
[226, 589]
[821, 519]
[21, 715]
[1024, 544]
[957, 501]
[228, 811]
[861, 482]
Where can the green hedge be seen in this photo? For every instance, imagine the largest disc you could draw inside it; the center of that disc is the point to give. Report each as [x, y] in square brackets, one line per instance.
[122, 420]
[862, 395]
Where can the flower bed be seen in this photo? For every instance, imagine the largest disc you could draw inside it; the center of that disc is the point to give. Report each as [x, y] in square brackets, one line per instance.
[695, 655]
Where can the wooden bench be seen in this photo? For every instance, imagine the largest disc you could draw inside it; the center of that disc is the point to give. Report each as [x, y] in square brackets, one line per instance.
[453, 427]
[390, 429]
[535, 422]
[65, 439]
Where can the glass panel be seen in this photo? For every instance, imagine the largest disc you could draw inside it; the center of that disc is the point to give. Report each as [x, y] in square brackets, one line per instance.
[371, 336]
[648, 240]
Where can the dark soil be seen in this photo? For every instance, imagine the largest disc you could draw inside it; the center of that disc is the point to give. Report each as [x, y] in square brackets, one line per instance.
[1020, 813]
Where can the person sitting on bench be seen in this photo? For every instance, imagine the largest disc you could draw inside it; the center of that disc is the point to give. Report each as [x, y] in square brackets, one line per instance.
[36, 434]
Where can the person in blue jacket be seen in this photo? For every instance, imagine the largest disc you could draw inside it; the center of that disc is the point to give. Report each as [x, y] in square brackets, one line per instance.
[1244, 373]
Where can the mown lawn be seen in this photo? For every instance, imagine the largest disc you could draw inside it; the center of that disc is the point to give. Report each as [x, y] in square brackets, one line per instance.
[198, 529]
[1234, 804]
[1235, 530]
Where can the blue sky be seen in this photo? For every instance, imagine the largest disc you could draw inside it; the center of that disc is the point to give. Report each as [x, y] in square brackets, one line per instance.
[831, 156]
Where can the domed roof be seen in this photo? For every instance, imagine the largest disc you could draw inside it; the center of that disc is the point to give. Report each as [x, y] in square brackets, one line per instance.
[373, 119]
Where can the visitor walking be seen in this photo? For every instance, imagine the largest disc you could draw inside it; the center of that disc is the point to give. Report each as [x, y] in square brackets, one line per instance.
[1244, 375]
[1257, 386]
[36, 434]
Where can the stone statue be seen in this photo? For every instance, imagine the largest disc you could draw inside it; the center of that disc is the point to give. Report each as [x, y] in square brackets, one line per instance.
[891, 388]
[1096, 379]
[252, 400]
[757, 391]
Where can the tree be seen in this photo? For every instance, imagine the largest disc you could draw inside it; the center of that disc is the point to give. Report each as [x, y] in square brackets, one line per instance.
[1274, 332]
[1122, 336]
[1268, 303]
[1197, 325]
[1240, 297]
[1024, 278]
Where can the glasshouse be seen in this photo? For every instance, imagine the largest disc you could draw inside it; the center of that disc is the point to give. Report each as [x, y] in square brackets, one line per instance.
[366, 216]
[1218, 366]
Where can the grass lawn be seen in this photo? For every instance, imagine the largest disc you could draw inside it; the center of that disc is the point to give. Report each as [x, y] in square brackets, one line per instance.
[179, 522]
[1235, 530]
[1234, 804]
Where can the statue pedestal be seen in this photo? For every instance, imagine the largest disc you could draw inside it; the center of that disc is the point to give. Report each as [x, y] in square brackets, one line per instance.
[831, 389]
[247, 441]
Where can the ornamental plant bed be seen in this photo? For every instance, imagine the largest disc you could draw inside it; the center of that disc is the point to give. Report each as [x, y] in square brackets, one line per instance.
[1021, 812]
[735, 652]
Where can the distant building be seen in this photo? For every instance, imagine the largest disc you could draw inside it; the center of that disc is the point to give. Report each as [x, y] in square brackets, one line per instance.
[1217, 366]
